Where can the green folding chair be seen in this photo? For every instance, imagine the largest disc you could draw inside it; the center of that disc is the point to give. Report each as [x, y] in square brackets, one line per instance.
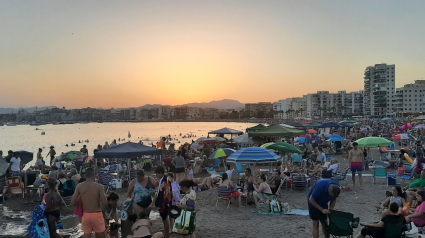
[395, 230]
[380, 173]
[341, 224]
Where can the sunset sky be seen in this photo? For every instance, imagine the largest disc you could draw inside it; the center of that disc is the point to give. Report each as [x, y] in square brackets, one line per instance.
[130, 53]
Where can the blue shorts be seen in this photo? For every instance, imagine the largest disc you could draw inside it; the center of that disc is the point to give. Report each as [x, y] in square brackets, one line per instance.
[356, 166]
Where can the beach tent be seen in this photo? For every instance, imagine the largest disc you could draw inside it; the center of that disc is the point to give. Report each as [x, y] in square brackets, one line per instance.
[330, 125]
[256, 128]
[226, 131]
[127, 150]
[278, 131]
[253, 155]
[282, 147]
[225, 152]
[245, 139]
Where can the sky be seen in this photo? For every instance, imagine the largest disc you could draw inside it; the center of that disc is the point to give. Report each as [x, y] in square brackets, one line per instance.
[77, 54]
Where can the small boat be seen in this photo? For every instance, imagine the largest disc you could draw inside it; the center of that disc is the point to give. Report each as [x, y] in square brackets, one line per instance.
[55, 123]
[11, 124]
[34, 124]
[43, 133]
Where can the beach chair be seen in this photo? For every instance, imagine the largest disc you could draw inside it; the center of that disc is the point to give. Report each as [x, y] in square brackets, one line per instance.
[3, 188]
[14, 186]
[283, 181]
[67, 191]
[29, 179]
[341, 177]
[380, 173]
[296, 158]
[213, 173]
[395, 230]
[299, 181]
[106, 181]
[223, 194]
[341, 224]
[240, 170]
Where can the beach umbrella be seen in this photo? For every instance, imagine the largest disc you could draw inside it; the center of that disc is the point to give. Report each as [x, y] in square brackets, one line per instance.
[209, 141]
[283, 147]
[244, 139]
[350, 121]
[71, 156]
[373, 142]
[221, 153]
[221, 139]
[335, 139]
[200, 139]
[420, 126]
[288, 126]
[312, 131]
[387, 119]
[407, 126]
[253, 155]
[305, 123]
[25, 156]
[404, 137]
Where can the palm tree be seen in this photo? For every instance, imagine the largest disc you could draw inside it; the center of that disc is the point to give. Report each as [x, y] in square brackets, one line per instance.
[301, 112]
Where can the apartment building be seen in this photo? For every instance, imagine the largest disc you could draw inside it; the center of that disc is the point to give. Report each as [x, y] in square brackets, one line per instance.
[261, 109]
[379, 90]
[412, 98]
[281, 108]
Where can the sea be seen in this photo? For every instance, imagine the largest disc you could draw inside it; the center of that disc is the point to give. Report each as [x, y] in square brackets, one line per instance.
[30, 138]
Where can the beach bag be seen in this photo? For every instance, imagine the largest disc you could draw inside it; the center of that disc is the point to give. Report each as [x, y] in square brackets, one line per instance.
[286, 209]
[185, 223]
[263, 207]
[79, 209]
[275, 207]
[39, 227]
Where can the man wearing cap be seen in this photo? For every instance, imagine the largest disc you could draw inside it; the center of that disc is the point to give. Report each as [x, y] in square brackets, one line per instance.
[52, 154]
[323, 192]
[84, 150]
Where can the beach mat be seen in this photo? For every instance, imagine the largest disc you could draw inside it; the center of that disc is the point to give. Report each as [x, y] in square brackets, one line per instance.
[363, 175]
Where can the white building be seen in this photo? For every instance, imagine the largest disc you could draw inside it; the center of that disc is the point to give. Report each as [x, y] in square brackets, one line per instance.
[282, 107]
[413, 97]
[379, 90]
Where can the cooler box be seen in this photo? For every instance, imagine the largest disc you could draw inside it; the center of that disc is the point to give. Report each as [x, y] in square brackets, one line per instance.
[392, 179]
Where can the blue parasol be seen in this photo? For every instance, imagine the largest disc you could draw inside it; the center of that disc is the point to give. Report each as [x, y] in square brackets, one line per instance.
[253, 155]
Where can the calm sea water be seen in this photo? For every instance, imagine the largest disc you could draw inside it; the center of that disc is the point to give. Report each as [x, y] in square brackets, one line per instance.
[26, 137]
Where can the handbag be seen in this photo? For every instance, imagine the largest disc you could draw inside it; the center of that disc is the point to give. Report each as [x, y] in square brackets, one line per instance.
[185, 223]
[263, 207]
[286, 209]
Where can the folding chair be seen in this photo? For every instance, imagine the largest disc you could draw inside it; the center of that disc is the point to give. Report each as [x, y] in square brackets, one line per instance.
[106, 181]
[29, 179]
[341, 177]
[223, 194]
[279, 188]
[13, 185]
[67, 192]
[213, 173]
[341, 224]
[296, 158]
[240, 170]
[395, 230]
[380, 173]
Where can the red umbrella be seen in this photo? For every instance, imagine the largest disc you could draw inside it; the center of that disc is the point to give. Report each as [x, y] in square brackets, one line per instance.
[209, 141]
[306, 123]
[312, 131]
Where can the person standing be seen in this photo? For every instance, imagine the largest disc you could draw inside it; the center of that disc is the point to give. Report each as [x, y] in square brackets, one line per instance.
[40, 160]
[15, 164]
[106, 146]
[52, 212]
[114, 143]
[52, 154]
[179, 168]
[84, 150]
[356, 163]
[323, 192]
[92, 195]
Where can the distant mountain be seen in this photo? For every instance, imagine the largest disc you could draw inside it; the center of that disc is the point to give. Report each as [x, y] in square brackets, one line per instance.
[222, 104]
[28, 109]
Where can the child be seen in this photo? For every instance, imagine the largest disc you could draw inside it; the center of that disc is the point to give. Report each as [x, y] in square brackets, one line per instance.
[140, 228]
[189, 197]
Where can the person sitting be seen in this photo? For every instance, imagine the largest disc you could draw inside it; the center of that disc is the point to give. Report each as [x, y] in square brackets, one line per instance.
[54, 172]
[61, 181]
[141, 225]
[225, 181]
[275, 182]
[75, 176]
[317, 171]
[417, 185]
[208, 183]
[397, 197]
[377, 230]
[261, 189]
[418, 217]
[248, 180]
[333, 167]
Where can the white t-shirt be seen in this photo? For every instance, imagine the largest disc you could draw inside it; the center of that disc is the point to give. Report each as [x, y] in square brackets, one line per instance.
[334, 168]
[16, 162]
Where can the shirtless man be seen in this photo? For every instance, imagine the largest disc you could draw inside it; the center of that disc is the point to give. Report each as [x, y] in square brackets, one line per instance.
[249, 180]
[92, 195]
[356, 163]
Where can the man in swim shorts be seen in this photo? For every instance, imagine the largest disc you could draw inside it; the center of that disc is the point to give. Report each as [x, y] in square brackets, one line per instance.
[356, 163]
[91, 194]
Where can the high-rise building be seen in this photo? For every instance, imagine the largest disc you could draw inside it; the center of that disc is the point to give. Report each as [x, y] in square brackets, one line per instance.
[413, 97]
[379, 90]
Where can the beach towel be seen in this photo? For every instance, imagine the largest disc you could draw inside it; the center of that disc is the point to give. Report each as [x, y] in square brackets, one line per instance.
[185, 223]
[39, 227]
[79, 209]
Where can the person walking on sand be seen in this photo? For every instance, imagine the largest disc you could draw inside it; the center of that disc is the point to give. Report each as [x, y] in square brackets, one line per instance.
[92, 195]
[323, 192]
[356, 163]
[52, 154]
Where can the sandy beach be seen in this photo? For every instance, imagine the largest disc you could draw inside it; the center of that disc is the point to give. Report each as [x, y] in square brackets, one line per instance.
[235, 221]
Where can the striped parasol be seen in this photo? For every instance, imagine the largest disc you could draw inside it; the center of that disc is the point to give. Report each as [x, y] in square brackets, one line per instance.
[253, 155]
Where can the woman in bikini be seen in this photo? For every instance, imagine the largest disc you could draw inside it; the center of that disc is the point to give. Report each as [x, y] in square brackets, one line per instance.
[53, 200]
[140, 228]
[143, 186]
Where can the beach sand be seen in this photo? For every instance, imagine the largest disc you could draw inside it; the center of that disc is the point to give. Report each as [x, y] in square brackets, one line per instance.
[245, 222]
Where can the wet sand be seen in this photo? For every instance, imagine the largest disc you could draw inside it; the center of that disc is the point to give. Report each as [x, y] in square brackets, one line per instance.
[223, 222]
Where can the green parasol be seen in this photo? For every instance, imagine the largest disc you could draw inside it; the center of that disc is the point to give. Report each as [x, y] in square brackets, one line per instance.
[221, 139]
[350, 121]
[283, 147]
[373, 142]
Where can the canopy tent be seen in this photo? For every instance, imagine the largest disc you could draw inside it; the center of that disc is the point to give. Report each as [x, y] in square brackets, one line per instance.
[256, 128]
[283, 147]
[373, 142]
[343, 124]
[209, 141]
[127, 150]
[278, 131]
[330, 125]
[300, 125]
[315, 125]
[245, 139]
[420, 117]
[226, 131]
[253, 155]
